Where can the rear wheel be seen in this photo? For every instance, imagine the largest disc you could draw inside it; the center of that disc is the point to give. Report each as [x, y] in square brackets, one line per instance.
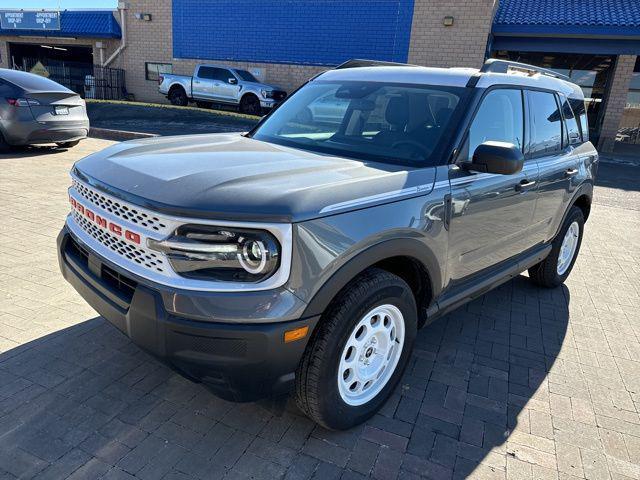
[250, 105]
[357, 355]
[68, 144]
[177, 96]
[555, 269]
[4, 146]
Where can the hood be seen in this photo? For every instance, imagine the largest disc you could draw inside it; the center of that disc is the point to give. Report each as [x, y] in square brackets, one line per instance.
[231, 177]
[262, 86]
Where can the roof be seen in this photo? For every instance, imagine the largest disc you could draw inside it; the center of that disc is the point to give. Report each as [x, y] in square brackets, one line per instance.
[450, 77]
[77, 23]
[31, 82]
[611, 18]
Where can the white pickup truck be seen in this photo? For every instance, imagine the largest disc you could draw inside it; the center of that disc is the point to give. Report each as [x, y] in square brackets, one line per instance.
[215, 84]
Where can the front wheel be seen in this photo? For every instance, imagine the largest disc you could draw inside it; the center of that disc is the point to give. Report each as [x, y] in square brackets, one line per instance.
[555, 269]
[359, 351]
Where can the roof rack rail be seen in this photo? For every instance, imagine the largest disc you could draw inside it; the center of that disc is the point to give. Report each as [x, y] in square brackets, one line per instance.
[357, 63]
[503, 66]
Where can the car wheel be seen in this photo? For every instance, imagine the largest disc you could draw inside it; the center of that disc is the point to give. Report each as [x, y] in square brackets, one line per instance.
[4, 146]
[555, 269]
[358, 352]
[250, 105]
[178, 97]
[68, 144]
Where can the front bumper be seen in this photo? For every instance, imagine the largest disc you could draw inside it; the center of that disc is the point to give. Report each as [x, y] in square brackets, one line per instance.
[237, 361]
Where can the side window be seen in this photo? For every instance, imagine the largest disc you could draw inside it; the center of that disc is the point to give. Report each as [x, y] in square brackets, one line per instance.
[206, 72]
[546, 123]
[222, 74]
[499, 118]
[580, 110]
[571, 122]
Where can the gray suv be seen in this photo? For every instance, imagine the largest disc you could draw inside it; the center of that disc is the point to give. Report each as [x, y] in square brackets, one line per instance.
[306, 253]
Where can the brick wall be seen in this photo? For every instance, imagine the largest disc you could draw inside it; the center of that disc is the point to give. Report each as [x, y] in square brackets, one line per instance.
[461, 45]
[431, 43]
[616, 101]
[152, 42]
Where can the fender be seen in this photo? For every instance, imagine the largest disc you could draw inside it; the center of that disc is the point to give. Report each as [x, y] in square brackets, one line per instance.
[405, 247]
[585, 189]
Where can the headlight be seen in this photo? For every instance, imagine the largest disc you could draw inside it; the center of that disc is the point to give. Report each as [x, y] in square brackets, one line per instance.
[267, 93]
[221, 253]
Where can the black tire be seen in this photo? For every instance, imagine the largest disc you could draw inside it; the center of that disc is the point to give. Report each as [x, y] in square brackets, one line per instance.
[317, 391]
[545, 273]
[4, 146]
[250, 105]
[178, 97]
[68, 144]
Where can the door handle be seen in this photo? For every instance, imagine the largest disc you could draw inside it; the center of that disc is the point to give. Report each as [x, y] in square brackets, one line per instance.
[570, 172]
[524, 185]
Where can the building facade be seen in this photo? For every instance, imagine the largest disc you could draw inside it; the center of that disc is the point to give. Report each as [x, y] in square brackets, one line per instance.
[285, 42]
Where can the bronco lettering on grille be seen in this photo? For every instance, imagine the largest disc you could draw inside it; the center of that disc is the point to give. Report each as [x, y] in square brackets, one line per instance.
[114, 228]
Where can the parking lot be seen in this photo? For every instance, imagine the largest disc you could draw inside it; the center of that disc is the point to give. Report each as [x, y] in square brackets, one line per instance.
[522, 383]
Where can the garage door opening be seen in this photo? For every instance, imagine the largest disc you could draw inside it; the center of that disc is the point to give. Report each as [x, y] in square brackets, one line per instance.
[69, 65]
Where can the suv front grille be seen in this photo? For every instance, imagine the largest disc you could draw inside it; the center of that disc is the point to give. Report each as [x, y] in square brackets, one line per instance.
[138, 255]
[279, 95]
[123, 211]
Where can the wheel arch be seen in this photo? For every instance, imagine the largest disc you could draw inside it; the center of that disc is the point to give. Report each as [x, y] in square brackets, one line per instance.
[410, 259]
[581, 198]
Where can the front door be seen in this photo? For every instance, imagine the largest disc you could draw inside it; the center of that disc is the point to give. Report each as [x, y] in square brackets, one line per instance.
[491, 214]
[222, 88]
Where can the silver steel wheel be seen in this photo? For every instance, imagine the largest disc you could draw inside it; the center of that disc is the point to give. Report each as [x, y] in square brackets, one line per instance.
[568, 248]
[371, 354]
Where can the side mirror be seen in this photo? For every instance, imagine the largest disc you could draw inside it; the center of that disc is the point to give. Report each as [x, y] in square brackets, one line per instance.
[496, 157]
[232, 80]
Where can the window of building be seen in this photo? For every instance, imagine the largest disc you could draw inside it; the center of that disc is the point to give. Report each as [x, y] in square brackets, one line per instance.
[500, 118]
[629, 130]
[154, 70]
[546, 123]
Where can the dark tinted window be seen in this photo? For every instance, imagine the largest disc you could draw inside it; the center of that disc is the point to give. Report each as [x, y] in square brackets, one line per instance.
[31, 82]
[214, 73]
[571, 122]
[500, 118]
[546, 123]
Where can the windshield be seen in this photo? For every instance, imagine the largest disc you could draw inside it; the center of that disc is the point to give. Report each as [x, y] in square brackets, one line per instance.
[246, 76]
[393, 123]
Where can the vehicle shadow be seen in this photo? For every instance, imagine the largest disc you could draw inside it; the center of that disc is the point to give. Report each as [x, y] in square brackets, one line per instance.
[31, 151]
[86, 398]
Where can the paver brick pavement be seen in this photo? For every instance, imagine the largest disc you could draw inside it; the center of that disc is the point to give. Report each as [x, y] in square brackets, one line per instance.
[522, 383]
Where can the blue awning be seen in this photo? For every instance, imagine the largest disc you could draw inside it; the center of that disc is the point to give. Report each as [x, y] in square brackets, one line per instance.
[568, 26]
[77, 24]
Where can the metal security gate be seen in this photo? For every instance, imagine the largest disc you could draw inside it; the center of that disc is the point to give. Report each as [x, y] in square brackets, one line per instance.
[90, 81]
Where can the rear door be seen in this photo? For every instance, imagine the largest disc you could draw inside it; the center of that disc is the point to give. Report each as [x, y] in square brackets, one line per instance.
[551, 148]
[202, 87]
[491, 213]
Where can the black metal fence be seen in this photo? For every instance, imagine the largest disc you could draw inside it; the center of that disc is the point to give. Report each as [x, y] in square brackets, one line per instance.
[90, 81]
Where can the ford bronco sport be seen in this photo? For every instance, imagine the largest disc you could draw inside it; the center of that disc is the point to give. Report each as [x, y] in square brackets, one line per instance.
[307, 252]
